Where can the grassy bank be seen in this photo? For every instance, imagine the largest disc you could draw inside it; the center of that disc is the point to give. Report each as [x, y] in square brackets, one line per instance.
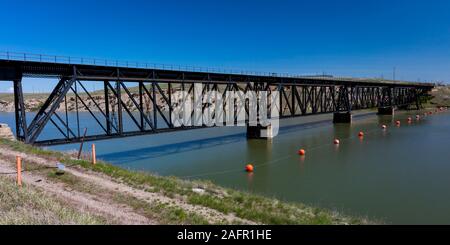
[246, 206]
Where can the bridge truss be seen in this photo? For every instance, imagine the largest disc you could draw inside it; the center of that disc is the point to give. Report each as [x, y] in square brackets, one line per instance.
[146, 97]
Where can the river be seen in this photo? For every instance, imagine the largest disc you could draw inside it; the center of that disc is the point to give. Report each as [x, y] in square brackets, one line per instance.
[397, 176]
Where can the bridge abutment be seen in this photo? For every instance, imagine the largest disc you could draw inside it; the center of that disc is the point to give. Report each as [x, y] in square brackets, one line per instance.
[388, 110]
[259, 132]
[342, 117]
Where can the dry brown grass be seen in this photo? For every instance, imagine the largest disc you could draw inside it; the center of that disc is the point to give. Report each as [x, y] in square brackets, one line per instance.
[440, 96]
[28, 205]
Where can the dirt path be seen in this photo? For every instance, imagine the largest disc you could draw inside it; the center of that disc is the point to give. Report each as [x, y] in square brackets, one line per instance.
[113, 213]
[101, 203]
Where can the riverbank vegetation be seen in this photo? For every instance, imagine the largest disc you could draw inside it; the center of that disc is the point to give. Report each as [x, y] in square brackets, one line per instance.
[147, 198]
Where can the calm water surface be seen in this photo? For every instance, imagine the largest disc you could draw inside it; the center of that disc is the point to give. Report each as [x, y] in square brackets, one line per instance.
[400, 176]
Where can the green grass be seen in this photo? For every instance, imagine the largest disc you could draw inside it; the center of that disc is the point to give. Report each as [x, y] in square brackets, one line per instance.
[162, 212]
[18, 146]
[68, 179]
[28, 205]
[243, 205]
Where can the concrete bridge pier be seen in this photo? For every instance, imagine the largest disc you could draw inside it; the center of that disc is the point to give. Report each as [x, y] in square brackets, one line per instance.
[342, 117]
[259, 132]
[388, 110]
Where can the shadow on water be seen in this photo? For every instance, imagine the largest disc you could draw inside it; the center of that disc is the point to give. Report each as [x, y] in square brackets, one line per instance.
[385, 119]
[320, 123]
[125, 157]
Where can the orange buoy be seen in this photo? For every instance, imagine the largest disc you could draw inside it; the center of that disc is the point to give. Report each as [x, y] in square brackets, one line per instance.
[302, 152]
[383, 126]
[249, 168]
[336, 142]
[361, 134]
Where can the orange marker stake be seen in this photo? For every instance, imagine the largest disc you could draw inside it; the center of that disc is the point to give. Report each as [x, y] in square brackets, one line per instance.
[19, 170]
[94, 157]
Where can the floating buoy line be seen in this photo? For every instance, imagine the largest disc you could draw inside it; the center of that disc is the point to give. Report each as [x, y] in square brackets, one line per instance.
[250, 168]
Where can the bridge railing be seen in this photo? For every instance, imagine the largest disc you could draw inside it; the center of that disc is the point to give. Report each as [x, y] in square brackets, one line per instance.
[15, 56]
[56, 59]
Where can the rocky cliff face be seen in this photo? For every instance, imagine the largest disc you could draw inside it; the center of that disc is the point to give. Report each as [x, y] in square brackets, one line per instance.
[30, 105]
[5, 132]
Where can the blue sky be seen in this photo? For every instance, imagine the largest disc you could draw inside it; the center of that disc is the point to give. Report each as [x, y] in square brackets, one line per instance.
[343, 38]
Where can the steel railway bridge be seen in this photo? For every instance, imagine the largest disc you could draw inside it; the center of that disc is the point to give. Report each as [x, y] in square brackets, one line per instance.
[149, 93]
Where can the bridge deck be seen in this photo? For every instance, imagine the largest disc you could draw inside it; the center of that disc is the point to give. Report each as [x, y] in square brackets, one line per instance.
[10, 68]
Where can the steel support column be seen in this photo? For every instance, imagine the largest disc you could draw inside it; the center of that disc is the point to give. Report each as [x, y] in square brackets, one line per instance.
[108, 117]
[21, 122]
